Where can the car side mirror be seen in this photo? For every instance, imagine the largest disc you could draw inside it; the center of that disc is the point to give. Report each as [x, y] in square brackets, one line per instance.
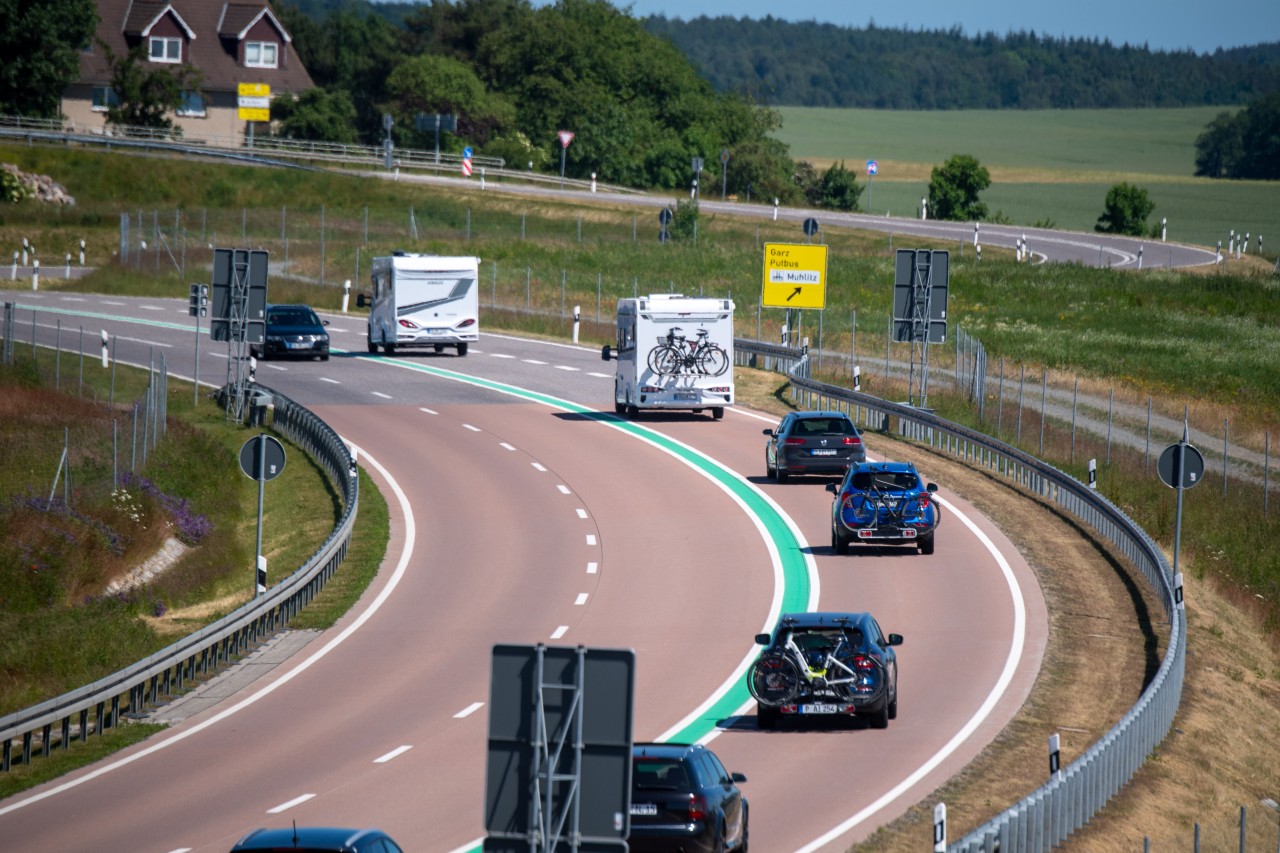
[362, 301]
[738, 777]
[763, 639]
[324, 322]
[833, 488]
[767, 432]
[895, 639]
[606, 352]
[932, 487]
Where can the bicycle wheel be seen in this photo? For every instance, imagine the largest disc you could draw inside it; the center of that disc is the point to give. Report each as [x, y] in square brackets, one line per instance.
[712, 360]
[774, 680]
[860, 677]
[664, 360]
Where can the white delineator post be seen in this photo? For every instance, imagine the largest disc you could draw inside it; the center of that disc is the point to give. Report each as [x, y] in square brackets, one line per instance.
[346, 295]
[105, 342]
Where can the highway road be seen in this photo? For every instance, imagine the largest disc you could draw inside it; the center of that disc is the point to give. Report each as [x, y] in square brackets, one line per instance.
[523, 511]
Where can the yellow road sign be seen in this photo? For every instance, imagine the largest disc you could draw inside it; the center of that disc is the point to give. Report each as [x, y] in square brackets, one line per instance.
[795, 276]
[254, 90]
[254, 114]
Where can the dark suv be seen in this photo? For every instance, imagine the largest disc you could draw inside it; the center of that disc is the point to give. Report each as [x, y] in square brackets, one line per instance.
[812, 443]
[682, 799]
[318, 839]
[293, 330]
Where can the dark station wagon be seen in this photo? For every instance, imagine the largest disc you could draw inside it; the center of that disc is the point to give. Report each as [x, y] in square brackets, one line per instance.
[812, 443]
[684, 801]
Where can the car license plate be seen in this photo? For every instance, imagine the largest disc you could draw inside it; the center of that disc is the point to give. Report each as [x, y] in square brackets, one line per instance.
[820, 709]
[644, 809]
[887, 504]
[686, 395]
[297, 345]
[823, 452]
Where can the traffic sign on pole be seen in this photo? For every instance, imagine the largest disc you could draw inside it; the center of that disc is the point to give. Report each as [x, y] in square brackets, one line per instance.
[795, 276]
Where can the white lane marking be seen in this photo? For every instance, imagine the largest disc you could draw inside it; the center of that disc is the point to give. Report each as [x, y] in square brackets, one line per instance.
[592, 568]
[532, 361]
[500, 355]
[105, 302]
[469, 710]
[469, 847]
[564, 490]
[428, 411]
[276, 367]
[141, 341]
[380, 394]
[74, 299]
[399, 750]
[161, 742]
[591, 539]
[219, 355]
[600, 375]
[153, 308]
[296, 801]
[979, 716]
[472, 428]
[559, 632]
[330, 381]
[538, 466]
[566, 367]
[505, 446]
[580, 600]
[582, 513]
[181, 850]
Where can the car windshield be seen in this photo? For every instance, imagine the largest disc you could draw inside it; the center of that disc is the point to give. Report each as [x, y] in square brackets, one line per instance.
[885, 481]
[823, 640]
[659, 774]
[293, 317]
[823, 426]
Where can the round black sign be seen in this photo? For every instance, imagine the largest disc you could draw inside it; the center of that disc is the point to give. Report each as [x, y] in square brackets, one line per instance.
[811, 226]
[1192, 466]
[272, 456]
[665, 216]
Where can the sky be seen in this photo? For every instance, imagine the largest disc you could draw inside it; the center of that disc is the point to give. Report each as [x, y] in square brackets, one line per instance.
[1170, 25]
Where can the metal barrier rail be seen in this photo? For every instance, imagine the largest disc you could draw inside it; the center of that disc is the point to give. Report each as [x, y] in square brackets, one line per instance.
[1050, 814]
[167, 671]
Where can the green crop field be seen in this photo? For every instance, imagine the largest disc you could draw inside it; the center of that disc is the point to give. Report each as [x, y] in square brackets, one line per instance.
[1046, 165]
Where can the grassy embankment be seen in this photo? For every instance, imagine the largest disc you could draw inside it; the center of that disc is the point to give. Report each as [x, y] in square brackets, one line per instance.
[1045, 164]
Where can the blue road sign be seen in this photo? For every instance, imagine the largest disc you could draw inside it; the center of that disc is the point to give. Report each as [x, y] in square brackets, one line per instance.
[466, 152]
[872, 167]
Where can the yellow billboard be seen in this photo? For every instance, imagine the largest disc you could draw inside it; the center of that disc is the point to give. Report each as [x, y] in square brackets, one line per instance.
[795, 276]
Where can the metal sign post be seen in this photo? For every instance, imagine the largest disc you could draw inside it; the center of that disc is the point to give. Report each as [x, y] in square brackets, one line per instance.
[1180, 467]
[566, 136]
[724, 172]
[920, 288]
[261, 459]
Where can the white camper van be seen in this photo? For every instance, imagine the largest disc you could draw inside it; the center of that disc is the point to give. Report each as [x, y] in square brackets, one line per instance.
[673, 352]
[423, 301]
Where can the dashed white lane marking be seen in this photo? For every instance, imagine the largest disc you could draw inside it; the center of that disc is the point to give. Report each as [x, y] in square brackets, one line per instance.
[506, 446]
[501, 355]
[600, 375]
[582, 513]
[532, 361]
[141, 341]
[592, 568]
[538, 466]
[105, 302]
[399, 750]
[559, 632]
[580, 600]
[591, 539]
[564, 490]
[428, 411]
[566, 367]
[153, 308]
[472, 428]
[469, 710]
[181, 850]
[296, 801]
[380, 394]
[330, 381]
[78, 299]
[276, 367]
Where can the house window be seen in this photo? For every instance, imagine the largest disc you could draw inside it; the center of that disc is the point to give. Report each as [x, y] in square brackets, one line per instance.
[166, 49]
[104, 97]
[192, 105]
[261, 54]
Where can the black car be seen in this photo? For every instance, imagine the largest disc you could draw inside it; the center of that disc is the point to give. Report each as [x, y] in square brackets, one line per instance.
[884, 503]
[293, 330]
[318, 839]
[682, 799]
[812, 443]
[826, 664]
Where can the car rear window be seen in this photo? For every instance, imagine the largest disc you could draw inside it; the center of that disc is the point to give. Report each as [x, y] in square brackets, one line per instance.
[824, 426]
[659, 774]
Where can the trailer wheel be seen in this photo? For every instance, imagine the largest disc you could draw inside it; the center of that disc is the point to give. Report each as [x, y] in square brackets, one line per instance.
[462, 349]
[717, 412]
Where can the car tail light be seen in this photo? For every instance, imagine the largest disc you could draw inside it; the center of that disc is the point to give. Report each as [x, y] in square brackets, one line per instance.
[408, 324]
[466, 322]
[863, 662]
[924, 501]
[852, 440]
[794, 441]
[697, 807]
[650, 389]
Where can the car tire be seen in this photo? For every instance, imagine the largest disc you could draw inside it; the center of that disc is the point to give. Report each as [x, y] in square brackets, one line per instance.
[324, 357]
[373, 348]
[717, 412]
[879, 719]
[840, 546]
[766, 717]
[462, 349]
[390, 348]
[632, 411]
[925, 545]
[438, 347]
[746, 830]
[778, 473]
[893, 707]
[619, 409]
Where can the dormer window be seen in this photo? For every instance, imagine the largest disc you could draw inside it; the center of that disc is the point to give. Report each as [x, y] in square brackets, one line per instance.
[166, 49]
[261, 54]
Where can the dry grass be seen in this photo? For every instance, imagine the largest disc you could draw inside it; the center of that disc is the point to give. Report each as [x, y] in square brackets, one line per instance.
[1107, 635]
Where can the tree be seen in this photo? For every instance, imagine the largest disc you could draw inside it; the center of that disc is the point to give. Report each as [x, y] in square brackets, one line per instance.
[318, 114]
[954, 188]
[1244, 145]
[1126, 210]
[439, 84]
[838, 189]
[40, 44]
[147, 97]
[1219, 147]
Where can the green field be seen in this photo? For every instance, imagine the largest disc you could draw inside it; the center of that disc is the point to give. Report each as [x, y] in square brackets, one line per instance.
[1045, 164]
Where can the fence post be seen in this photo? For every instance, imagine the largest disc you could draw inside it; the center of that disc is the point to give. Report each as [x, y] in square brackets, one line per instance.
[1044, 393]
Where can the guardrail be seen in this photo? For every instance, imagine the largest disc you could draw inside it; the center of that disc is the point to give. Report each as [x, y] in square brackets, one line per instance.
[1048, 815]
[168, 671]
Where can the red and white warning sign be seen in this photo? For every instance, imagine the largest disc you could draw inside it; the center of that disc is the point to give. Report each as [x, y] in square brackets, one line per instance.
[566, 136]
[466, 166]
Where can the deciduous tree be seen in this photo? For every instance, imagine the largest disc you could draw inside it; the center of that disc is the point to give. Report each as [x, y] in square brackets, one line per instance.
[1126, 210]
[954, 188]
[147, 96]
[40, 44]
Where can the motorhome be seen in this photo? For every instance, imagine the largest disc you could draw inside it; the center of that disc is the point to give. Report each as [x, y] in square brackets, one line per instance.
[423, 301]
[673, 352]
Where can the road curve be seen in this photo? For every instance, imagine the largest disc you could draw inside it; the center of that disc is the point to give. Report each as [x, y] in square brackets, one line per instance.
[668, 563]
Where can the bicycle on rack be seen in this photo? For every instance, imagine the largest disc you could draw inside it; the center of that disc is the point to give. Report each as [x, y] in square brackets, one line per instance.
[674, 355]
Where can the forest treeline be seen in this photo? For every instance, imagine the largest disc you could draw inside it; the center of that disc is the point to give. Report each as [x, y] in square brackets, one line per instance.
[822, 65]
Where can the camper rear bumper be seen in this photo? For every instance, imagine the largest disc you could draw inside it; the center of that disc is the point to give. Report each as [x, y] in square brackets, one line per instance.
[444, 336]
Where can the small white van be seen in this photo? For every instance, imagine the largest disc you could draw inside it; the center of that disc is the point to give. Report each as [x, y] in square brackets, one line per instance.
[423, 301]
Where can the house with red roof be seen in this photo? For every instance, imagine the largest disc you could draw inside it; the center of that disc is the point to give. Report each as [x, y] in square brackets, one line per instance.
[231, 43]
